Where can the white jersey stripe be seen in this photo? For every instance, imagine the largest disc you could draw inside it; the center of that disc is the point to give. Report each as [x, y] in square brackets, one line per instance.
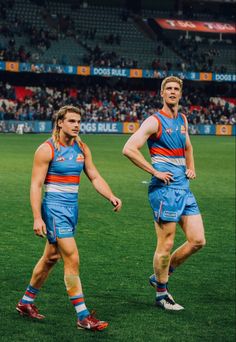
[174, 161]
[61, 188]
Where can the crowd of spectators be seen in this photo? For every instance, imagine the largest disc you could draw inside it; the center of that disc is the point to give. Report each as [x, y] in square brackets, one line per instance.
[104, 103]
[198, 54]
[97, 57]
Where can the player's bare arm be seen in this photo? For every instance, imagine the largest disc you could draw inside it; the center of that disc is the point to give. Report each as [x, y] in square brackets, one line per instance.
[190, 172]
[136, 142]
[42, 159]
[98, 182]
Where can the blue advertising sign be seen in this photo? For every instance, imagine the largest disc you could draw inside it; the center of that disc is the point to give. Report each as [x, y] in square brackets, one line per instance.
[194, 76]
[43, 126]
[54, 68]
[224, 77]
[16, 126]
[2, 65]
[24, 67]
[108, 72]
[207, 129]
[234, 130]
[101, 127]
[117, 72]
[70, 69]
[148, 73]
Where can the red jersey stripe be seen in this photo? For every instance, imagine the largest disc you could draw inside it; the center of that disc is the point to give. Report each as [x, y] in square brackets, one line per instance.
[62, 179]
[52, 148]
[175, 152]
[159, 132]
[185, 120]
[166, 114]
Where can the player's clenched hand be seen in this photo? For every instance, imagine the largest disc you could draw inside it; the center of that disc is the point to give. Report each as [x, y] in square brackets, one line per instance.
[39, 228]
[116, 202]
[166, 177]
[190, 174]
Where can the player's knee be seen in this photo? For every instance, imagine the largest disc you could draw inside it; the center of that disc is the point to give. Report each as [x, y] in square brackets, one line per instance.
[199, 243]
[72, 261]
[168, 245]
[52, 259]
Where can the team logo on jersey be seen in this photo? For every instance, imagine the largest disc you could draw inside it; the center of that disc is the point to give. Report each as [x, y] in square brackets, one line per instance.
[60, 159]
[183, 129]
[80, 158]
[65, 230]
[168, 213]
[169, 130]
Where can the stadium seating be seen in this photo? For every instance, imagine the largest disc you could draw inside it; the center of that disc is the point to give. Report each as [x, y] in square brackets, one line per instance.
[68, 38]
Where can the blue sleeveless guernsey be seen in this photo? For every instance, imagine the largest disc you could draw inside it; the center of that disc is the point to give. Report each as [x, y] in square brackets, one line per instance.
[63, 176]
[167, 150]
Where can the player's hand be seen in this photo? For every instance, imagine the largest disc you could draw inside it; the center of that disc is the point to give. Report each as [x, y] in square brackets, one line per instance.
[166, 177]
[190, 174]
[39, 228]
[116, 202]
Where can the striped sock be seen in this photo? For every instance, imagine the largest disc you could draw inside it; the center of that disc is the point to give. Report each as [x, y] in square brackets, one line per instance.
[29, 295]
[171, 270]
[80, 307]
[161, 291]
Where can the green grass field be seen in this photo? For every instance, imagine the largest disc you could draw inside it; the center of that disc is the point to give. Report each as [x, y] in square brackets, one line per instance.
[116, 251]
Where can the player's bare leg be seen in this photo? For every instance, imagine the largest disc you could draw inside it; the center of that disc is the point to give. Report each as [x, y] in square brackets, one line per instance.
[70, 256]
[40, 273]
[44, 265]
[194, 231]
[161, 261]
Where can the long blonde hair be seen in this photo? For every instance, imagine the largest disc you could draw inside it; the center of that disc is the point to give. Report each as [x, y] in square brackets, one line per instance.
[60, 115]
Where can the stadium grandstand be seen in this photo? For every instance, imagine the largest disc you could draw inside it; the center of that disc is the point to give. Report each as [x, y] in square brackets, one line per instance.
[109, 57]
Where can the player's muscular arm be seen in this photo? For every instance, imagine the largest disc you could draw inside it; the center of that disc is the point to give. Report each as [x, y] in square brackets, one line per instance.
[136, 142]
[98, 182]
[42, 159]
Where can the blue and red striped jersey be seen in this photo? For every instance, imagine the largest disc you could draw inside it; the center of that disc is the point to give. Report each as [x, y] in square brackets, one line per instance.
[62, 181]
[167, 149]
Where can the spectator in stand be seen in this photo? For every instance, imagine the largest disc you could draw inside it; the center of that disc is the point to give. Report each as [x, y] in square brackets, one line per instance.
[105, 103]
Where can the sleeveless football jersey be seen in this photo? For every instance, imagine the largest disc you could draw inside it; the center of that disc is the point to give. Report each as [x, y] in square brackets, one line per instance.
[63, 176]
[167, 149]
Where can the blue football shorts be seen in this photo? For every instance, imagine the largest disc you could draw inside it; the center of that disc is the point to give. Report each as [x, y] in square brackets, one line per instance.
[169, 204]
[60, 220]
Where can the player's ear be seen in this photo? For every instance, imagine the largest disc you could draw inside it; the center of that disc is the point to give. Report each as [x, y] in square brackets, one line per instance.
[59, 123]
[161, 93]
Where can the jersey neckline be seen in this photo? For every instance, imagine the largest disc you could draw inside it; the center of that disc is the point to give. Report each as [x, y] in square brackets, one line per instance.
[168, 115]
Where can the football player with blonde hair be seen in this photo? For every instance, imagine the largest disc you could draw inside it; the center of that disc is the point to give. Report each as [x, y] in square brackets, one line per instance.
[172, 166]
[58, 163]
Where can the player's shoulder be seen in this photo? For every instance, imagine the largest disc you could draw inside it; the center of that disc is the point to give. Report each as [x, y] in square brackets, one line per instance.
[183, 116]
[148, 126]
[85, 149]
[45, 150]
[154, 118]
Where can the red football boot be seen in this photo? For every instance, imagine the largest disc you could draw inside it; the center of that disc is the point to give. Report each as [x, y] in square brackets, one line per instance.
[91, 323]
[29, 310]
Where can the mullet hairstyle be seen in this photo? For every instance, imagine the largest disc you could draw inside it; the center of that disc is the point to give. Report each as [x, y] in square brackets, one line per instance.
[171, 79]
[60, 115]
